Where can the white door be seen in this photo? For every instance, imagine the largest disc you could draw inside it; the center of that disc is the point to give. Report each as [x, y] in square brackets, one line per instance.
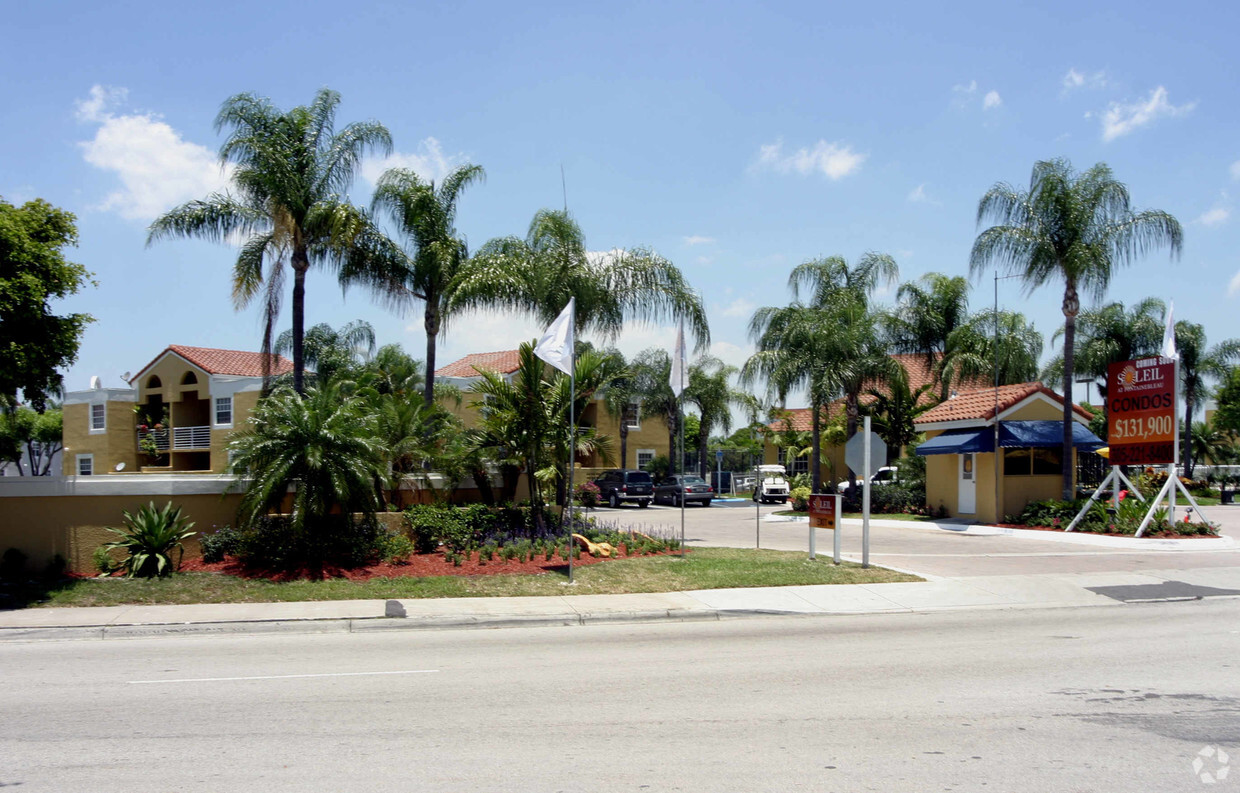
[967, 503]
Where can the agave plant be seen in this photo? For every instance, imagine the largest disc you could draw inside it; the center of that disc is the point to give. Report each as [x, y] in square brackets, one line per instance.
[149, 537]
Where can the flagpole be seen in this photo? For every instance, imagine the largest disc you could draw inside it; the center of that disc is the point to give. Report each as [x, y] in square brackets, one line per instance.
[572, 433]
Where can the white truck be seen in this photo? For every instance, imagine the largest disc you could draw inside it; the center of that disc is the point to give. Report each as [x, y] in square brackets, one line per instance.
[771, 484]
[887, 475]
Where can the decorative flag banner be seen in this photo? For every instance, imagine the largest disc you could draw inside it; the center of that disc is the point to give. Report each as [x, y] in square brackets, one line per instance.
[556, 345]
[679, 367]
[1168, 345]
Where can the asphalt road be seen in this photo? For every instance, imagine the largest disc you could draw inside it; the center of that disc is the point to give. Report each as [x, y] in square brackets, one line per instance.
[1034, 700]
[921, 550]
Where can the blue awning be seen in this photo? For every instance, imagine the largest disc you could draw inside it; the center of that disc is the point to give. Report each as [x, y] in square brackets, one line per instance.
[962, 441]
[1046, 434]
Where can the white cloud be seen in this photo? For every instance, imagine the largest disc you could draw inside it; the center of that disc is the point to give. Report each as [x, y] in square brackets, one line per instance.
[428, 162]
[1235, 170]
[834, 160]
[965, 90]
[696, 239]
[918, 194]
[1214, 217]
[703, 260]
[1074, 79]
[991, 100]
[740, 307]
[1233, 288]
[157, 168]
[1121, 119]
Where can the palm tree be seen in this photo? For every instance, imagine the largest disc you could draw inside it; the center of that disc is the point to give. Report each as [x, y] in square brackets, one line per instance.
[323, 444]
[971, 353]
[620, 400]
[330, 352]
[710, 389]
[893, 411]
[292, 172]
[928, 311]
[1111, 334]
[1071, 227]
[1209, 443]
[537, 275]
[652, 371]
[1199, 363]
[431, 266]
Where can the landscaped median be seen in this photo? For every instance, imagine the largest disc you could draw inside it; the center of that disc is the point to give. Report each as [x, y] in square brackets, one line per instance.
[701, 568]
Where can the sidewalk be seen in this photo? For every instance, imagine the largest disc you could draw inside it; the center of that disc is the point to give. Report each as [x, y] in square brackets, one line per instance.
[348, 616]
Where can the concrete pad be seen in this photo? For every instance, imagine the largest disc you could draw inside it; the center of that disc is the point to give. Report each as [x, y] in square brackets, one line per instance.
[245, 612]
[501, 607]
[638, 602]
[755, 599]
[845, 599]
[1038, 590]
[1219, 577]
[947, 593]
[1109, 579]
[61, 617]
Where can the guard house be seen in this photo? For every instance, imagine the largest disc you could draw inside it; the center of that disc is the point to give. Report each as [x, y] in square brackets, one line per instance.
[961, 464]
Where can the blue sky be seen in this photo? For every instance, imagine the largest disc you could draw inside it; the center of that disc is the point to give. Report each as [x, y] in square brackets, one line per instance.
[736, 139]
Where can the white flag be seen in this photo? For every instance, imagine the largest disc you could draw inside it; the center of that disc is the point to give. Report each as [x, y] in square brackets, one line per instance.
[1168, 345]
[556, 345]
[679, 367]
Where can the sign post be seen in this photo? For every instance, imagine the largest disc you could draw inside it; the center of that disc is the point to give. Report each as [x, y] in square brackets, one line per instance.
[863, 454]
[824, 513]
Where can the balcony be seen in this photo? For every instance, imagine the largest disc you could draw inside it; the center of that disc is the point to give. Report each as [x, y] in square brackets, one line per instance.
[179, 439]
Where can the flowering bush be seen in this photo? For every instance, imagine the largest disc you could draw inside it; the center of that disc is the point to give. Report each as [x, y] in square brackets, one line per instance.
[587, 494]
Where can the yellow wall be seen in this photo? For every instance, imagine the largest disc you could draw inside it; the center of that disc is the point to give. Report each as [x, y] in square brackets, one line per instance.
[170, 370]
[118, 444]
[244, 403]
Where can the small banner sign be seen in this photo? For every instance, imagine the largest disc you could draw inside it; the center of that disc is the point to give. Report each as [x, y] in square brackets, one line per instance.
[1141, 411]
[823, 511]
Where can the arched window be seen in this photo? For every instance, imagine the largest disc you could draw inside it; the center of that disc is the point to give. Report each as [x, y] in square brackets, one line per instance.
[189, 379]
[154, 382]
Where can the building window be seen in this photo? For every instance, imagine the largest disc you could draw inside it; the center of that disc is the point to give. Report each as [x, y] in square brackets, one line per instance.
[632, 416]
[223, 410]
[644, 456]
[98, 418]
[85, 465]
[800, 465]
[1032, 462]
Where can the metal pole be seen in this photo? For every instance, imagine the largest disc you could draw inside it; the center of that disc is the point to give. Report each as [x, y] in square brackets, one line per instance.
[682, 471]
[865, 501]
[1173, 475]
[838, 530]
[572, 450]
[998, 516]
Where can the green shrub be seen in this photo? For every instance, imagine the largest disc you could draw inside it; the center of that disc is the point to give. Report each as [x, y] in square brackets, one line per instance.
[800, 498]
[102, 561]
[149, 539]
[219, 543]
[274, 542]
[395, 546]
[898, 497]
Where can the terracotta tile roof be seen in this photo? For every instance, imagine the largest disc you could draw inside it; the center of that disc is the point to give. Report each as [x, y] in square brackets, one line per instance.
[919, 374]
[979, 404]
[503, 362]
[227, 362]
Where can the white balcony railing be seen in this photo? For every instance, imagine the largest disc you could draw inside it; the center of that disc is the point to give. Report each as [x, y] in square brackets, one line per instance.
[162, 438]
[188, 438]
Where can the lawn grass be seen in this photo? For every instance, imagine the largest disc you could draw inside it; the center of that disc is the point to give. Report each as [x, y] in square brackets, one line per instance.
[702, 568]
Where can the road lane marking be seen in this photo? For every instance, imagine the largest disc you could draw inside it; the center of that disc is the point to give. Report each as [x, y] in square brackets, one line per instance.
[283, 677]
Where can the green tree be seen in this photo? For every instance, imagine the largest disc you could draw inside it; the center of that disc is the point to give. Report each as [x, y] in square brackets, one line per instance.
[1069, 227]
[710, 390]
[928, 311]
[1227, 417]
[292, 173]
[894, 409]
[652, 371]
[623, 403]
[1199, 363]
[537, 275]
[324, 446]
[430, 266]
[972, 353]
[34, 342]
[330, 352]
[40, 435]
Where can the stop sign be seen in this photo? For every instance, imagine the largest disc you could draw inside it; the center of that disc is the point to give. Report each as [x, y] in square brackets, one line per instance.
[854, 454]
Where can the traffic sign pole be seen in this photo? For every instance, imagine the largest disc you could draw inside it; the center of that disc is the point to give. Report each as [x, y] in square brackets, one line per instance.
[865, 499]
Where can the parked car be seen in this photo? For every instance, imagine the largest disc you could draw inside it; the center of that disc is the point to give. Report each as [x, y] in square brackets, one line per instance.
[771, 484]
[619, 485]
[693, 489]
[887, 475]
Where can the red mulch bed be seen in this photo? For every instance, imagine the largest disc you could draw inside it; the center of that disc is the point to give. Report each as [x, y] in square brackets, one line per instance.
[417, 565]
[1149, 535]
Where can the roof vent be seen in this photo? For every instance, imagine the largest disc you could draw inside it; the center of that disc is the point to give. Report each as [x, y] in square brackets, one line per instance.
[95, 382]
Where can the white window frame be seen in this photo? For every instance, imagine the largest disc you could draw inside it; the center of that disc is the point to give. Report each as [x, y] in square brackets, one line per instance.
[89, 459]
[216, 411]
[103, 418]
[650, 455]
[636, 408]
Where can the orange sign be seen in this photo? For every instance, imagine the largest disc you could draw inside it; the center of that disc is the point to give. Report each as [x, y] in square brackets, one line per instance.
[823, 511]
[1141, 411]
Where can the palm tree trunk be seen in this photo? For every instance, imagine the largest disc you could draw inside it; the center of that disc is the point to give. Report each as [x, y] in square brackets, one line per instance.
[1071, 307]
[703, 438]
[301, 263]
[815, 459]
[430, 321]
[624, 441]
[1188, 437]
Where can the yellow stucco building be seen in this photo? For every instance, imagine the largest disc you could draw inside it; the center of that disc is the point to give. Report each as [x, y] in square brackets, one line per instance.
[176, 416]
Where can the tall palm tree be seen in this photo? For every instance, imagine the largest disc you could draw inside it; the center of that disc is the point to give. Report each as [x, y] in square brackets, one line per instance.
[537, 275]
[652, 371]
[893, 411]
[329, 351]
[928, 311]
[971, 352]
[1069, 227]
[1199, 363]
[620, 400]
[292, 173]
[710, 390]
[430, 267]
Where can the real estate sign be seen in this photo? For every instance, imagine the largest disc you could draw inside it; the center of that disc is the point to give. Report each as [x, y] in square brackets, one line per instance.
[823, 511]
[1141, 411]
